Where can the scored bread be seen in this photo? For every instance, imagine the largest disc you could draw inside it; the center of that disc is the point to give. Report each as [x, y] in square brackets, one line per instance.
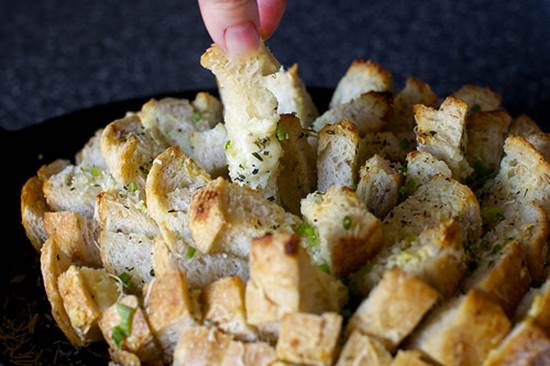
[171, 182]
[140, 339]
[436, 256]
[292, 96]
[361, 349]
[528, 224]
[200, 269]
[536, 305]
[87, 293]
[168, 306]
[370, 112]
[438, 200]
[340, 153]
[283, 280]
[524, 177]
[486, 134]
[193, 127]
[33, 207]
[422, 167]
[524, 126]
[388, 145]
[502, 274]
[74, 235]
[250, 112]
[346, 233]
[462, 331]
[203, 346]
[54, 262]
[414, 92]
[308, 338]
[128, 148]
[225, 217]
[478, 98]
[223, 304]
[393, 308]
[90, 155]
[298, 174]
[527, 344]
[378, 185]
[442, 133]
[361, 77]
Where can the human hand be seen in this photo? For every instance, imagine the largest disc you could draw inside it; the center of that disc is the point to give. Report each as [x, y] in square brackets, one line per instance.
[237, 25]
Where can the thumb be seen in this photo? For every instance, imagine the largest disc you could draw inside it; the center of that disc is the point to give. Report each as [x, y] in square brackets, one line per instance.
[232, 24]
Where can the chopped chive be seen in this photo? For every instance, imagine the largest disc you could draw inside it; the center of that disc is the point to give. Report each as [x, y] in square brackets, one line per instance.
[405, 144]
[281, 133]
[227, 144]
[406, 189]
[125, 277]
[197, 116]
[95, 172]
[191, 252]
[475, 108]
[307, 231]
[347, 222]
[118, 335]
[133, 187]
[324, 267]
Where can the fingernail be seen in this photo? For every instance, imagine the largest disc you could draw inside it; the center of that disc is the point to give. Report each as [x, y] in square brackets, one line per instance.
[242, 39]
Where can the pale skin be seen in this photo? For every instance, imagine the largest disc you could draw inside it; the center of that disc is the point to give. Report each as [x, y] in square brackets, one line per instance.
[237, 26]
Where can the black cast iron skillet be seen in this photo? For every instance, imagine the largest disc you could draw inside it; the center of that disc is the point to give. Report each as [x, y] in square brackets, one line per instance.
[28, 334]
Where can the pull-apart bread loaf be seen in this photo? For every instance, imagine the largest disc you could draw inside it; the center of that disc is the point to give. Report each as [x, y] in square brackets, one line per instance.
[394, 228]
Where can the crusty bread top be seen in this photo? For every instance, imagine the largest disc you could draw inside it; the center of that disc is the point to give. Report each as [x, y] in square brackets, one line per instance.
[361, 77]
[479, 98]
[250, 116]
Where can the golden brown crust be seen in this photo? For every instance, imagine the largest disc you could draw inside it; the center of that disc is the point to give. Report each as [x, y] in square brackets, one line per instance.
[483, 97]
[361, 349]
[393, 308]
[54, 262]
[410, 358]
[309, 339]
[33, 206]
[526, 345]
[463, 332]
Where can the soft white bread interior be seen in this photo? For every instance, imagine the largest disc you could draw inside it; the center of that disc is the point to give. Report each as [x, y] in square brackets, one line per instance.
[436, 256]
[298, 174]
[422, 167]
[345, 233]
[225, 217]
[340, 153]
[370, 112]
[250, 113]
[361, 77]
[442, 133]
[292, 96]
[379, 184]
[173, 179]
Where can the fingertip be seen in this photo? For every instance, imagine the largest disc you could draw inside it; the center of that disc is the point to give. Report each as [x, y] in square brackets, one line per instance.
[241, 39]
[271, 12]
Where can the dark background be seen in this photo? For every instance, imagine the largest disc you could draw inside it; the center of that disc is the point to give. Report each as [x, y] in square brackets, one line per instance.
[59, 56]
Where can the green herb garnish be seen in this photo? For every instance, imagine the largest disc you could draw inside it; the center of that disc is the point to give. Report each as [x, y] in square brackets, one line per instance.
[125, 278]
[406, 189]
[324, 267]
[347, 222]
[227, 144]
[95, 172]
[191, 252]
[281, 133]
[307, 231]
[475, 108]
[257, 156]
[124, 328]
[133, 187]
[491, 214]
[405, 144]
[197, 116]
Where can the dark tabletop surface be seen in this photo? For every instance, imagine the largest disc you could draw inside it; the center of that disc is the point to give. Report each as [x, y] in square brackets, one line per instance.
[59, 56]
